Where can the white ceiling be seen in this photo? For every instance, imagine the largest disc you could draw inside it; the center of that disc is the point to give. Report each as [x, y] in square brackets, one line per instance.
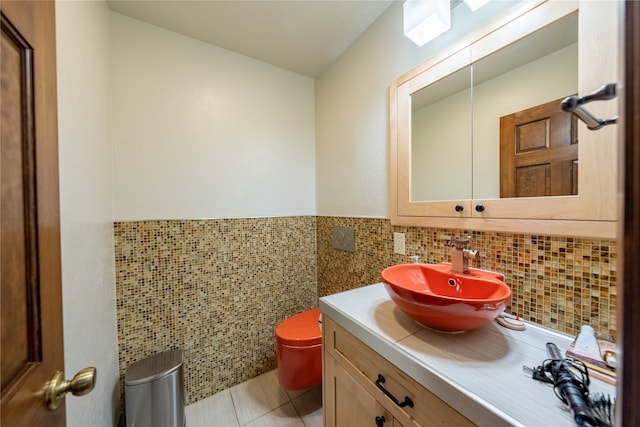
[303, 36]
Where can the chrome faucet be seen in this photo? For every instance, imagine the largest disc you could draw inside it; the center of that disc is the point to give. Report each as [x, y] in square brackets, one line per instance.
[460, 254]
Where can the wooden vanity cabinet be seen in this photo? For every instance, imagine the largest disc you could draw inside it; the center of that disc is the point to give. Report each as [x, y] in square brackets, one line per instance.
[351, 404]
[352, 398]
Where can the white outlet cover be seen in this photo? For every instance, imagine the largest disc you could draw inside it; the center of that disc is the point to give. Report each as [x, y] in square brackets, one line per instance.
[399, 243]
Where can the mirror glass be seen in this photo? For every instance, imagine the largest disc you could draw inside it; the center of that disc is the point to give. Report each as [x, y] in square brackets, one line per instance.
[456, 121]
[441, 149]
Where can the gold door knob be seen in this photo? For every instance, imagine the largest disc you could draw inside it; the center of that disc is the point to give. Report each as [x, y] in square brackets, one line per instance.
[81, 384]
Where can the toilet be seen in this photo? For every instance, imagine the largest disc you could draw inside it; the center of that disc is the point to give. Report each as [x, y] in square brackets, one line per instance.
[299, 351]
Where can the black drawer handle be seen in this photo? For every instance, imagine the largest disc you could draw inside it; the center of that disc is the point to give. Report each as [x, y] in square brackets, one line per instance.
[407, 401]
[380, 421]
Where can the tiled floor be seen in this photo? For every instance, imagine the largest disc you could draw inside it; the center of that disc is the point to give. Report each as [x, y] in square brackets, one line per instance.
[259, 402]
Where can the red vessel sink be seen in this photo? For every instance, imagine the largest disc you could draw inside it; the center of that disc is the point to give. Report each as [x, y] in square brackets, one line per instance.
[442, 300]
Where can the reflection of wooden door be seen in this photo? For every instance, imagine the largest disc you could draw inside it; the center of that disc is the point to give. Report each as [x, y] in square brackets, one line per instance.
[32, 346]
[539, 152]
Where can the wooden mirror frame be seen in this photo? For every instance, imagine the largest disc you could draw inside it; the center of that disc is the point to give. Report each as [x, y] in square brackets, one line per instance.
[593, 213]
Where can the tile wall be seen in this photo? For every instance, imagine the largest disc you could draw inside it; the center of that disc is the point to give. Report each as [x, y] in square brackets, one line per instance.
[218, 288]
[558, 282]
[214, 288]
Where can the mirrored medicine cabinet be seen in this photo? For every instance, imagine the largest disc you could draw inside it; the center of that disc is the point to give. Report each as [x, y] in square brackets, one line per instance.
[478, 139]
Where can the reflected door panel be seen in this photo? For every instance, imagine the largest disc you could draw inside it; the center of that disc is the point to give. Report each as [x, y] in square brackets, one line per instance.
[539, 152]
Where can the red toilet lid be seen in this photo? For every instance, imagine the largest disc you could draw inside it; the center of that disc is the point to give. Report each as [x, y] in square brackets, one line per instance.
[301, 329]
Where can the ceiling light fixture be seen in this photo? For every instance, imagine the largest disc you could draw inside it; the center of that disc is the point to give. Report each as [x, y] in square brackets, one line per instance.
[424, 20]
[475, 4]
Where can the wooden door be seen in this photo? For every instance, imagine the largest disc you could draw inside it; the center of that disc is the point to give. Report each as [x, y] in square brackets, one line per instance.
[32, 345]
[539, 152]
[628, 410]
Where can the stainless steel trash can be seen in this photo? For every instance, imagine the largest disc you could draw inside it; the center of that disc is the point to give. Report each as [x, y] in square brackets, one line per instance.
[154, 391]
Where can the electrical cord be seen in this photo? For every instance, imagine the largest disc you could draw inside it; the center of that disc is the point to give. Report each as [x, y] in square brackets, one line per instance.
[570, 380]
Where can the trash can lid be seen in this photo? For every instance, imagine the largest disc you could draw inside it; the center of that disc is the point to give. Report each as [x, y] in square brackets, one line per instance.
[153, 367]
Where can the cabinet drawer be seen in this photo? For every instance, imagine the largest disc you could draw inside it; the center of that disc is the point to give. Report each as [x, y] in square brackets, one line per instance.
[365, 365]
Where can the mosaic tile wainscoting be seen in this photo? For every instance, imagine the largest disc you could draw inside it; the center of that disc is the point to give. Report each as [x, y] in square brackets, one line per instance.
[218, 288]
[214, 288]
[558, 282]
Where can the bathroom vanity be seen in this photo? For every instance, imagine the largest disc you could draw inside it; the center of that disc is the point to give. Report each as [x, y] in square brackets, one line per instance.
[428, 377]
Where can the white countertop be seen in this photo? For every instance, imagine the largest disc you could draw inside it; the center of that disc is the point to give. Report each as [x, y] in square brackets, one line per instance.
[478, 372]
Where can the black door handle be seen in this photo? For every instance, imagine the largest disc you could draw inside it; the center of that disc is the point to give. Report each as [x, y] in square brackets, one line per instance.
[406, 402]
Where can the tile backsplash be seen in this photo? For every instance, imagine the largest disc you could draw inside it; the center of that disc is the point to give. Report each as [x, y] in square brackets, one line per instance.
[218, 288]
[557, 282]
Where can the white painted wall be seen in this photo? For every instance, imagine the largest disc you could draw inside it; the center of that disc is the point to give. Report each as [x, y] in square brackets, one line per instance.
[202, 132]
[85, 163]
[352, 110]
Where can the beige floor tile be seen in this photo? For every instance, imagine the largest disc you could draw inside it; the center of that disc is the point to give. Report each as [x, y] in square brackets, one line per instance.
[214, 411]
[309, 407]
[284, 416]
[295, 393]
[259, 402]
[257, 397]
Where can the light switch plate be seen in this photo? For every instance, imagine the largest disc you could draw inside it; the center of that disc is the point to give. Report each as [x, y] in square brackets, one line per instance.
[344, 238]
